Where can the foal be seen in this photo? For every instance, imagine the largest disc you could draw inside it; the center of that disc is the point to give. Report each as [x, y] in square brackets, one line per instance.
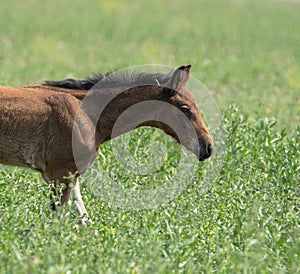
[39, 125]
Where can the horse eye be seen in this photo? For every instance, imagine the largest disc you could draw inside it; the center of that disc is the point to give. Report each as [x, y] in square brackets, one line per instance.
[185, 110]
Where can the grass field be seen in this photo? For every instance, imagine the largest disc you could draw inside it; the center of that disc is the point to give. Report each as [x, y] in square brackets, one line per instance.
[247, 221]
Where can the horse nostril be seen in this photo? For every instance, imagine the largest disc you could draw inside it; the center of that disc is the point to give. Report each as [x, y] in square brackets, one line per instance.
[209, 149]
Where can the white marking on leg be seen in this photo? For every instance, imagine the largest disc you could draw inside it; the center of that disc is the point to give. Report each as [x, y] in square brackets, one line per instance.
[79, 205]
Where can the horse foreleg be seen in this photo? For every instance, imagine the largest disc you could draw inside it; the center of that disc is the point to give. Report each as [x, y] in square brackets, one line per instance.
[70, 191]
[78, 202]
[64, 195]
[79, 205]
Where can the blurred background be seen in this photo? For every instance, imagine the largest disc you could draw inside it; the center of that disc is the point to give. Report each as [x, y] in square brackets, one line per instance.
[245, 52]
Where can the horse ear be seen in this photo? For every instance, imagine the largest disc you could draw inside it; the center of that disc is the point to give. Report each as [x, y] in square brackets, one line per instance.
[179, 78]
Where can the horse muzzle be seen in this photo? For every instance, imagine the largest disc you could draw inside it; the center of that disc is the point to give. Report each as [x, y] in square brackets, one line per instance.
[203, 147]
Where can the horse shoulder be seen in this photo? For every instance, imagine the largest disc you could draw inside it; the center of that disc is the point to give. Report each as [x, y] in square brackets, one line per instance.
[68, 124]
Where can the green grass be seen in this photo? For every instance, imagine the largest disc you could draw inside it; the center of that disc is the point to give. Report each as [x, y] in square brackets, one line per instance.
[246, 219]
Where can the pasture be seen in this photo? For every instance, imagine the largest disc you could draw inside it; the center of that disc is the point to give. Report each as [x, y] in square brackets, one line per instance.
[246, 220]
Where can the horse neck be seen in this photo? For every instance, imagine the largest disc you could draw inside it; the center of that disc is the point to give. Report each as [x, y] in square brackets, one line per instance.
[128, 110]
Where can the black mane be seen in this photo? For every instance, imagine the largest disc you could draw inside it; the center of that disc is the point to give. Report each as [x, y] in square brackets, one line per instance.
[85, 84]
[116, 79]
